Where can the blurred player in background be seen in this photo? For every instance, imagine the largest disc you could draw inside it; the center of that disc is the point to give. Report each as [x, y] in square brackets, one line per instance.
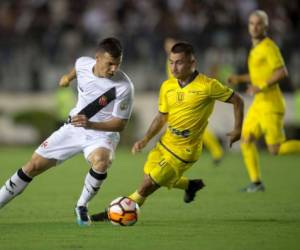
[210, 141]
[265, 116]
[185, 103]
[104, 105]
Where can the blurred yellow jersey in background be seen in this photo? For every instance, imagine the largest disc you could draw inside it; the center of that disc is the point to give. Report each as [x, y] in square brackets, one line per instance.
[263, 59]
[168, 69]
[188, 110]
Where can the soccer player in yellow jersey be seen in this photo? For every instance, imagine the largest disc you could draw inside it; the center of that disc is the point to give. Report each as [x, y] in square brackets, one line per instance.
[265, 116]
[210, 141]
[185, 104]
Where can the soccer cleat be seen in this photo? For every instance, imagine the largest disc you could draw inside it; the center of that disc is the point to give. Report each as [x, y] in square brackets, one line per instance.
[103, 216]
[254, 187]
[193, 187]
[83, 218]
[217, 161]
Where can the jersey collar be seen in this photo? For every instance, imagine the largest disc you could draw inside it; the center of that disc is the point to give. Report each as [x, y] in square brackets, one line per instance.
[260, 42]
[192, 78]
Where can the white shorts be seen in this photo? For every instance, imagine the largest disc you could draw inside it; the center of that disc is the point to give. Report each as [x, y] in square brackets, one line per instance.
[68, 141]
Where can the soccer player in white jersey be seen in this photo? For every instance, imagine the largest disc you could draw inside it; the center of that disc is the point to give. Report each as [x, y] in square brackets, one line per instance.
[105, 96]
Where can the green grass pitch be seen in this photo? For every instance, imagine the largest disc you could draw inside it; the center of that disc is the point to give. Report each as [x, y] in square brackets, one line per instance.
[220, 218]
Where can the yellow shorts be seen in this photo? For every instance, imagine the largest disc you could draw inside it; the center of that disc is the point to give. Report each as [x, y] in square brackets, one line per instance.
[270, 125]
[163, 167]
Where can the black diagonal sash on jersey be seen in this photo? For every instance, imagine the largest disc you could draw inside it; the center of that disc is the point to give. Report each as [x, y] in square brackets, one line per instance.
[99, 103]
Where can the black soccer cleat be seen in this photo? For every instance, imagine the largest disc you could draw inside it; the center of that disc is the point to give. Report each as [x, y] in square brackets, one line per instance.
[102, 216]
[193, 187]
[83, 218]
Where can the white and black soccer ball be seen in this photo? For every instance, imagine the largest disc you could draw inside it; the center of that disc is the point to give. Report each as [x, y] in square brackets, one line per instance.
[123, 211]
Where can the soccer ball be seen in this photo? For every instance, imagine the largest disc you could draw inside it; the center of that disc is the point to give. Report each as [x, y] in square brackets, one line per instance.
[123, 211]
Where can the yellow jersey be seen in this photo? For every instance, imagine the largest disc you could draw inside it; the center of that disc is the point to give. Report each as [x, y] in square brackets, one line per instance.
[188, 110]
[263, 59]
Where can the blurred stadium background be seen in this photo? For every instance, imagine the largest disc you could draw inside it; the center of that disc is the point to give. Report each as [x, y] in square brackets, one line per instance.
[40, 40]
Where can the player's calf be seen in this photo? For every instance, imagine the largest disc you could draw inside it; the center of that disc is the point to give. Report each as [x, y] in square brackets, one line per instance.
[92, 183]
[14, 186]
[274, 149]
[102, 216]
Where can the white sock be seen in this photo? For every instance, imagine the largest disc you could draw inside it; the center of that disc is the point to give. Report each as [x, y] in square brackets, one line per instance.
[13, 186]
[92, 183]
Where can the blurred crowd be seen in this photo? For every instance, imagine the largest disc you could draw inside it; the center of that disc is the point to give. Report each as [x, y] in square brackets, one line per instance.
[40, 39]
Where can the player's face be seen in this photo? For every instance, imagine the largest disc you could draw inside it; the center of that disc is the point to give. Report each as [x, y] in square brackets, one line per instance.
[256, 26]
[106, 65]
[182, 66]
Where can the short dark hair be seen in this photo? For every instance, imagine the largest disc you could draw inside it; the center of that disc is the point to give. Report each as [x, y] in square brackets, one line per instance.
[183, 47]
[112, 46]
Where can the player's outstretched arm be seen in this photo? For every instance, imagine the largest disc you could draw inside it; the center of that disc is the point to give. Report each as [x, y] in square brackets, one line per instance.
[238, 106]
[66, 79]
[157, 124]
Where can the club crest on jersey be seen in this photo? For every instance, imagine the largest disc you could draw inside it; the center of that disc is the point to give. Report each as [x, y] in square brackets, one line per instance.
[180, 96]
[102, 101]
[124, 105]
[44, 144]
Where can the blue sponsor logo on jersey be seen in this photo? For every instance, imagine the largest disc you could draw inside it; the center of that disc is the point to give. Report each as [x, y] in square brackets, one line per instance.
[183, 133]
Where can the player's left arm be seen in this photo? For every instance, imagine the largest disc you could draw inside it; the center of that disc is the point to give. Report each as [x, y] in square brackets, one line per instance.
[114, 125]
[120, 115]
[278, 74]
[279, 70]
[276, 62]
[238, 107]
[66, 79]
[218, 91]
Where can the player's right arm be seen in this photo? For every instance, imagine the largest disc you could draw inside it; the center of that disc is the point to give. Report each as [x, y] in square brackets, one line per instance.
[220, 92]
[238, 106]
[66, 79]
[157, 124]
[236, 79]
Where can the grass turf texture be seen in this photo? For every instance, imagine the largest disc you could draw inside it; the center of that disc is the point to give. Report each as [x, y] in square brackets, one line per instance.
[220, 218]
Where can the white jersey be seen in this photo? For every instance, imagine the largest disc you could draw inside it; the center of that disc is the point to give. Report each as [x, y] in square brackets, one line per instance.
[100, 99]
[91, 87]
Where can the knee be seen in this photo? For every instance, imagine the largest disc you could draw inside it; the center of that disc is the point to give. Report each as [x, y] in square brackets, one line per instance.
[248, 139]
[246, 142]
[100, 164]
[274, 149]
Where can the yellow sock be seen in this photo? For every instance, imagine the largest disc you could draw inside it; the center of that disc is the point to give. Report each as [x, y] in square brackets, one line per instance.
[212, 144]
[251, 159]
[137, 198]
[289, 147]
[182, 183]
